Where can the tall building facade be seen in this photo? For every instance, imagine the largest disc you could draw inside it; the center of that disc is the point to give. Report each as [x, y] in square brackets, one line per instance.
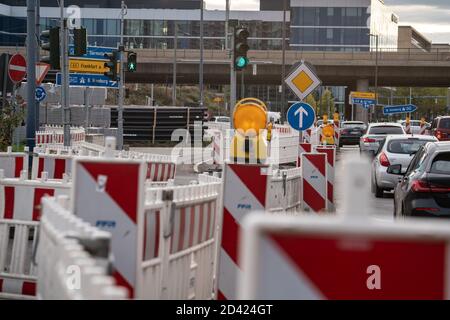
[342, 25]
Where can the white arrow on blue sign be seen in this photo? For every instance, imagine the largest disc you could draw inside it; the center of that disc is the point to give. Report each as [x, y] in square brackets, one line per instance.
[409, 108]
[88, 80]
[41, 94]
[301, 116]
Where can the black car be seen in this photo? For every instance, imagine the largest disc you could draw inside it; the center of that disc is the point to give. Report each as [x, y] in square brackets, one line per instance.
[351, 132]
[424, 190]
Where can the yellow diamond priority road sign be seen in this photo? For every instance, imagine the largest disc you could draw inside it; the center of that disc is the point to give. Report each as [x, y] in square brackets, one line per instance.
[303, 81]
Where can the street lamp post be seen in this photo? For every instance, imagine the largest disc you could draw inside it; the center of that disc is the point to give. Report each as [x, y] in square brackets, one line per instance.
[376, 69]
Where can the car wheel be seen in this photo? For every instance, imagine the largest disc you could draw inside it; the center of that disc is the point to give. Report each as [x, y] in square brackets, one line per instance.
[379, 192]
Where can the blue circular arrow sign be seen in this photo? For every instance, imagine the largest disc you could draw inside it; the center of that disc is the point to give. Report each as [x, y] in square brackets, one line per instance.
[301, 116]
[40, 94]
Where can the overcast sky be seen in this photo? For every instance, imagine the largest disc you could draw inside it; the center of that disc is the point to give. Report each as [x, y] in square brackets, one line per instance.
[431, 17]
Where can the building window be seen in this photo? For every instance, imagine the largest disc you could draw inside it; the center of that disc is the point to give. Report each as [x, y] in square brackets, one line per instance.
[329, 34]
[330, 12]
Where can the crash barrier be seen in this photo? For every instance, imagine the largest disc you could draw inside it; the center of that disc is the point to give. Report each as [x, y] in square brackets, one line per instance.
[284, 194]
[55, 135]
[249, 188]
[283, 145]
[173, 229]
[13, 163]
[72, 257]
[19, 215]
[314, 182]
[304, 147]
[57, 161]
[330, 151]
[352, 256]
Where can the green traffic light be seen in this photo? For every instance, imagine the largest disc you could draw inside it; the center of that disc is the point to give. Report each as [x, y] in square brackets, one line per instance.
[131, 67]
[241, 62]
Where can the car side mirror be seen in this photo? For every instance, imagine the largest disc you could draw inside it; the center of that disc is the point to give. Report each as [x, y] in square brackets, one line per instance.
[428, 127]
[395, 169]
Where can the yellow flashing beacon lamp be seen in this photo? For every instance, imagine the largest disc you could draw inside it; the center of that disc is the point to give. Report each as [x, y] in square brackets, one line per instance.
[250, 120]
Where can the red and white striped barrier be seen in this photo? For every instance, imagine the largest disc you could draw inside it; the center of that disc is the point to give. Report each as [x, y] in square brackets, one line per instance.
[348, 257]
[13, 163]
[20, 201]
[307, 136]
[218, 148]
[408, 127]
[303, 148]
[314, 182]
[20, 198]
[55, 165]
[423, 129]
[104, 198]
[55, 135]
[160, 172]
[337, 132]
[17, 288]
[245, 191]
[330, 151]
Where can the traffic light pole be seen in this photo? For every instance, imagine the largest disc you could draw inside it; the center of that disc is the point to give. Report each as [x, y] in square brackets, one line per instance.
[123, 12]
[31, 74]
[232, 79]
[64, 52]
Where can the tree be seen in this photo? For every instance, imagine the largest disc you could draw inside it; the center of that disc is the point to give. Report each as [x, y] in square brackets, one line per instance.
[10, 118]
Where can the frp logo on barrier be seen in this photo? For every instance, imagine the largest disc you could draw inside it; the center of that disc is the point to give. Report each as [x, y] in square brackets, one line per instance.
[106, 224]
[244, 206]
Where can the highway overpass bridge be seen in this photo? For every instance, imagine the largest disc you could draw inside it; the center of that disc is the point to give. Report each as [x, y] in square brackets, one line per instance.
[397, 69]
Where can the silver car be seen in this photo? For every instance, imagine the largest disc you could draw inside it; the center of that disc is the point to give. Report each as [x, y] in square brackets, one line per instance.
[396, 149]
[415, 125]
[375, 133]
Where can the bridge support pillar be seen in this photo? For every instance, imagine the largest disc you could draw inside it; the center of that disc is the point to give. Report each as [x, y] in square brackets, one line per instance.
[361, 114]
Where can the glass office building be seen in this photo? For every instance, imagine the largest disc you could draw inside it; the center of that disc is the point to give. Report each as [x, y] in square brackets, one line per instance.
[341, 25]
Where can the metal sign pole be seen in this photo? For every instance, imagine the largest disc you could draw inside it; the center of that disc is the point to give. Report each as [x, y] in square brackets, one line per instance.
[123, 12]
[31, 74]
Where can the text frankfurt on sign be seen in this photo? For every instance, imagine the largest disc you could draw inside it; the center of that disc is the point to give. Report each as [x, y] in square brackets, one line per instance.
[303, 81]
[399, 109]
[301, 116]
[88, 80]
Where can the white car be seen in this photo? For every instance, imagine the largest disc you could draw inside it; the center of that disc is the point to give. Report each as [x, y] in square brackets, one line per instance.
[395, 149]
[375, 133]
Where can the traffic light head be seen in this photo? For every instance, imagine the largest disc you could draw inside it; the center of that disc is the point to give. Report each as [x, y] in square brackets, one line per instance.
[113, 58]
[241, 48]
[80, 41]
[51, 44]
[132, 62]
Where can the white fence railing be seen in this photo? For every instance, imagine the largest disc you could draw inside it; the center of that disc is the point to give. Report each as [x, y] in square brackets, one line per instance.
[66, 270]
[284, 194]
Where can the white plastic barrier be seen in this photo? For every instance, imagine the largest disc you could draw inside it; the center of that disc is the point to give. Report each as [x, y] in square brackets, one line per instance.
[284, 193]
[19, 215]
[55, 135]
[65, 269]
[17, 272]
[180, 242]
[284, 144]
[56, 165]
[172, 229]
[13, 163]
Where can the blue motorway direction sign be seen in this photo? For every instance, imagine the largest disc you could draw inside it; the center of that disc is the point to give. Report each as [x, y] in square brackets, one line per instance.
[365, 103]
[301, 116]
[40, 94]
[408, 108]
[88, 80]
[93, 52]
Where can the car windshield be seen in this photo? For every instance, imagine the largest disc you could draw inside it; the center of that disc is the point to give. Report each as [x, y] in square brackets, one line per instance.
[441, 163]
[444, 123]
[223, 120]
[385, 130]
[406, 146]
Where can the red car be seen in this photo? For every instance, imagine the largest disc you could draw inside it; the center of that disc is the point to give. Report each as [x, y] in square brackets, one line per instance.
[440, 128]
